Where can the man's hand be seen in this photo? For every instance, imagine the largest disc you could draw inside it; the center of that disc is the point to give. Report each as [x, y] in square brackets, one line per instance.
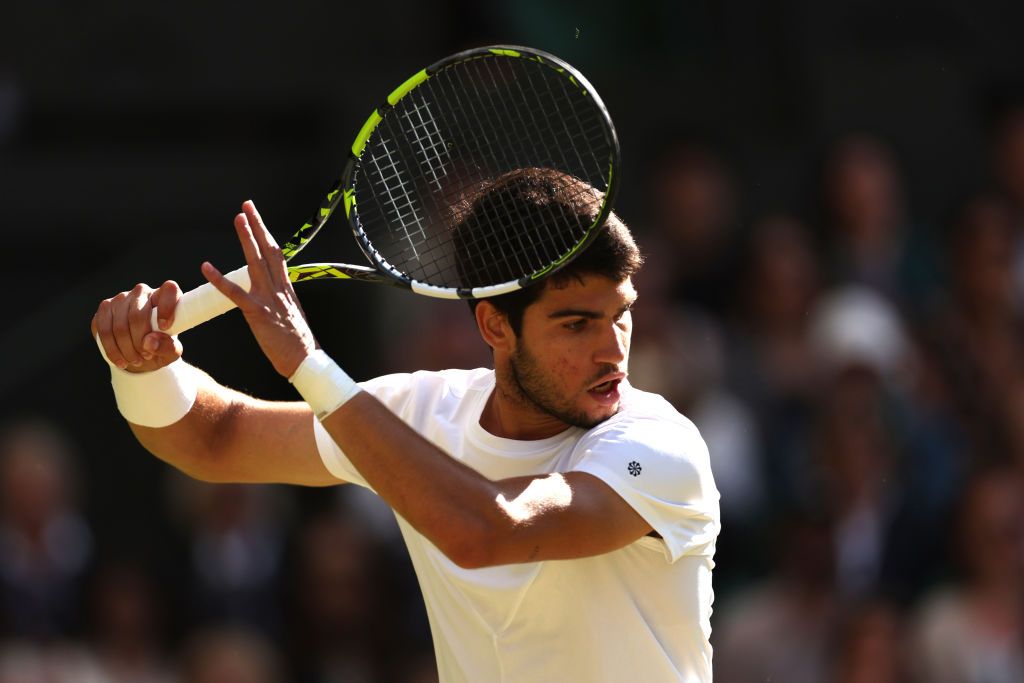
[122, 325]
[270, 306]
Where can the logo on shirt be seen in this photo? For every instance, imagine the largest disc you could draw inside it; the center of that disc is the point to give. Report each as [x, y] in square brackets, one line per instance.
[634, 468]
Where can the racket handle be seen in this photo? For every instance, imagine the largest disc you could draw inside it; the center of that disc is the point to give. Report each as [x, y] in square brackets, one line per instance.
[203, 303]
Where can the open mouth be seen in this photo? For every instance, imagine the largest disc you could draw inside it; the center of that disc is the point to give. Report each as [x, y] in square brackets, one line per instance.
[605, 387]
[606, 393]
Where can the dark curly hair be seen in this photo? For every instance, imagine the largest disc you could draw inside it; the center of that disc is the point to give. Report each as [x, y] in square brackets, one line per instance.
[566, 207]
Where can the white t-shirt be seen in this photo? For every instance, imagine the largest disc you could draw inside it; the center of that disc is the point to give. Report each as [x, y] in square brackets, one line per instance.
[640, 613]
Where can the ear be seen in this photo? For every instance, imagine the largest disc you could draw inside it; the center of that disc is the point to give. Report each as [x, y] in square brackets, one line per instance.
[494, 327]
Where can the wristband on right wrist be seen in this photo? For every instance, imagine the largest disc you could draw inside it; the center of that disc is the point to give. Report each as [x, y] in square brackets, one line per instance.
[158, 398]
[323, 384]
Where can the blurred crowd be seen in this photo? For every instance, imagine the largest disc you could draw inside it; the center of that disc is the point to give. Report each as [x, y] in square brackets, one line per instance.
[250, 590]
[858, 376]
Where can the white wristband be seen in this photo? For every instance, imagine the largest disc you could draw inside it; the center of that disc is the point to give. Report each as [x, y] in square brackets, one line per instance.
[158, 398]
[322, 384]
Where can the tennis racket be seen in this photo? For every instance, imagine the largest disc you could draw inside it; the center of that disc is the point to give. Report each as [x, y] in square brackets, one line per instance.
[459, 126]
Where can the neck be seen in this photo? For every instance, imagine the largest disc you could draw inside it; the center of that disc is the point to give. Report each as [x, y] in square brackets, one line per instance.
[510, 414]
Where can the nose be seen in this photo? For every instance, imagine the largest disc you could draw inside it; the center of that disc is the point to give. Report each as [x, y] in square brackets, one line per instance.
[613, 348]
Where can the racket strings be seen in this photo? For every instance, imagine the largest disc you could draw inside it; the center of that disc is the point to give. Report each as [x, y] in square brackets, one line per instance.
[395, 186]
[492, 246]
[429, 143]
[454, 137]
[557, 119]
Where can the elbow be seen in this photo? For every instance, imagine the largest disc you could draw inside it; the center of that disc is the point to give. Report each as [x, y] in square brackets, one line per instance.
[499, 534]
[192, 458]
[202, 449]
[472, 545]
[193, 464]
[210, 463]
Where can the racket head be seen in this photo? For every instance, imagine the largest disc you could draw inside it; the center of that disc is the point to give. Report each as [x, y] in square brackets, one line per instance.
[446, 138]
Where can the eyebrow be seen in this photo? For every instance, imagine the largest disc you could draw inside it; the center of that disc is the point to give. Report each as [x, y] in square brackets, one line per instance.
[575, 313]
[584, 313]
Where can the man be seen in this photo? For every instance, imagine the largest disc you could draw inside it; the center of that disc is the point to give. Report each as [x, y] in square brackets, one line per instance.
[562, 523]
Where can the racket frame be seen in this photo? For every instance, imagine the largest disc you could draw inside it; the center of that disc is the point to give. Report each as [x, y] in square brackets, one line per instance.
[346, 183]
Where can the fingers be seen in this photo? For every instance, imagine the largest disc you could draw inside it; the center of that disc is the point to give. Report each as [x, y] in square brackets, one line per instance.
[129, 325]
[102, 328]
[120, 323]
[140, 318]
[253, 256]
[122, 326]
[166, 301]
[162, 347]
[238, 296]
[272, 255]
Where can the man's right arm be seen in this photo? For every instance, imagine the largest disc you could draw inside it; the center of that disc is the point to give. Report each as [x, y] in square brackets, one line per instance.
[230, 437]
[225, 436]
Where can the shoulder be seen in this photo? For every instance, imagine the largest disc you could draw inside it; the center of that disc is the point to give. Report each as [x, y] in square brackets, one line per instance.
[647, 421]
[399, 389]
[648, 440]
[656, 460]
[643, 406]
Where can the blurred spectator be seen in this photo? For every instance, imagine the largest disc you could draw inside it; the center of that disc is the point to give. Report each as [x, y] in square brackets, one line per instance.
[338, 604]
[857, 460]
[888, 463]
[972, 631]
[780, 630]
[694, 226]
[45, 544]
[771, 346]
[870, 237]
[125, 643]
[236, 536]
[872, 645]
[230, 655]
[854, 326]
[979, 339]
[396, 591]
[782, 286]
[1008, 170]
[127, 635]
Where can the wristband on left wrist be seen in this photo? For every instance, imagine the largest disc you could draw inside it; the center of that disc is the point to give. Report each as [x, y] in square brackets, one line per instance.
[323, 384]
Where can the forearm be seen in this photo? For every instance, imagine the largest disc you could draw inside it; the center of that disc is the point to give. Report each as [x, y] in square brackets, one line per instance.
[227, 436]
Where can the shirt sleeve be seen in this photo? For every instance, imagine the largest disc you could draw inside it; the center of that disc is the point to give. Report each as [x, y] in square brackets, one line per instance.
[661, 468]
[394, 391]
[334, 459]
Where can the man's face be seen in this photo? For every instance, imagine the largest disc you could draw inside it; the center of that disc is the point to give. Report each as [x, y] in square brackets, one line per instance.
[573, 348]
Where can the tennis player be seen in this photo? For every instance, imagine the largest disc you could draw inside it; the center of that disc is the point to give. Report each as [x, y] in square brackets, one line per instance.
[562, 523]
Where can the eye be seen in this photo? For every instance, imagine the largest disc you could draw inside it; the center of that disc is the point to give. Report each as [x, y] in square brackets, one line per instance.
[575, 325]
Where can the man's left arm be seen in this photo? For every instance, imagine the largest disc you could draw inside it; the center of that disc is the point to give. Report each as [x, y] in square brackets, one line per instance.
[477, 522]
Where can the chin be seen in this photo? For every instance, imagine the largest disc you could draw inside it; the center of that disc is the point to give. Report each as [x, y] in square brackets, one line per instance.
[590, 419]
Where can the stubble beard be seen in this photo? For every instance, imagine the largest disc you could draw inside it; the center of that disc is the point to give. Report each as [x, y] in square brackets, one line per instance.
[532, 387]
